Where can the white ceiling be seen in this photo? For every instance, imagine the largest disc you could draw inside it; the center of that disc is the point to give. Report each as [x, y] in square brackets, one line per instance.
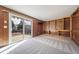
[45, 12]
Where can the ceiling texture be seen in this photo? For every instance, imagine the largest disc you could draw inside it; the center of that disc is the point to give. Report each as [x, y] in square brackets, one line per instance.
[45, 12]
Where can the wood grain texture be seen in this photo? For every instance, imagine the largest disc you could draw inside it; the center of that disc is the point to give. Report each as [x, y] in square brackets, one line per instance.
[4, 31]
[60, 24]
[75, 26]
[52, 26]
[71, 27]
[37, 27]
[67, 23]
[75, 29]
[46, 27]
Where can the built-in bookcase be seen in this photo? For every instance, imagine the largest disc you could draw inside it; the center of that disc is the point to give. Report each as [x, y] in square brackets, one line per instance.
[58, 27]
[66, 27]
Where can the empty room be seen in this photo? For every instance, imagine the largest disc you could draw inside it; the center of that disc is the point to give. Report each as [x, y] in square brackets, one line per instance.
[39, 29]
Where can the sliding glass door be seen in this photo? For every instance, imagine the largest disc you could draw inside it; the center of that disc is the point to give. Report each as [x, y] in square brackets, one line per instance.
[17, 29]
[27, 29]
[21, 29]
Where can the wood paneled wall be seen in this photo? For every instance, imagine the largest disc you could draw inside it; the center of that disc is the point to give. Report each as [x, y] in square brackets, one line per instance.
[57, 27]
[75, 27]
[52, 28]
[67, 23]
[4, 33]
[59, 24]
[46, 27]
[37, 28]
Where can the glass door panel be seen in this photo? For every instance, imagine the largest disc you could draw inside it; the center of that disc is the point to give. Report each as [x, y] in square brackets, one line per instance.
[27, 29]
[17, 29]
[20, 29]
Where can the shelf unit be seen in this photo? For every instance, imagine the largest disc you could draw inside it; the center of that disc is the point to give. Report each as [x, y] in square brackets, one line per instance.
[66, 27]
[59, 27]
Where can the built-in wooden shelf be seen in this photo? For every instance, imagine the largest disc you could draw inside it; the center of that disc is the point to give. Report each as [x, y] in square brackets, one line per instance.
[64, 30]
[60, 26]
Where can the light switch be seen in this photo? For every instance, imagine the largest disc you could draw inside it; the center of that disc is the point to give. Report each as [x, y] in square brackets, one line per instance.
[5, 27]
[5, 21]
